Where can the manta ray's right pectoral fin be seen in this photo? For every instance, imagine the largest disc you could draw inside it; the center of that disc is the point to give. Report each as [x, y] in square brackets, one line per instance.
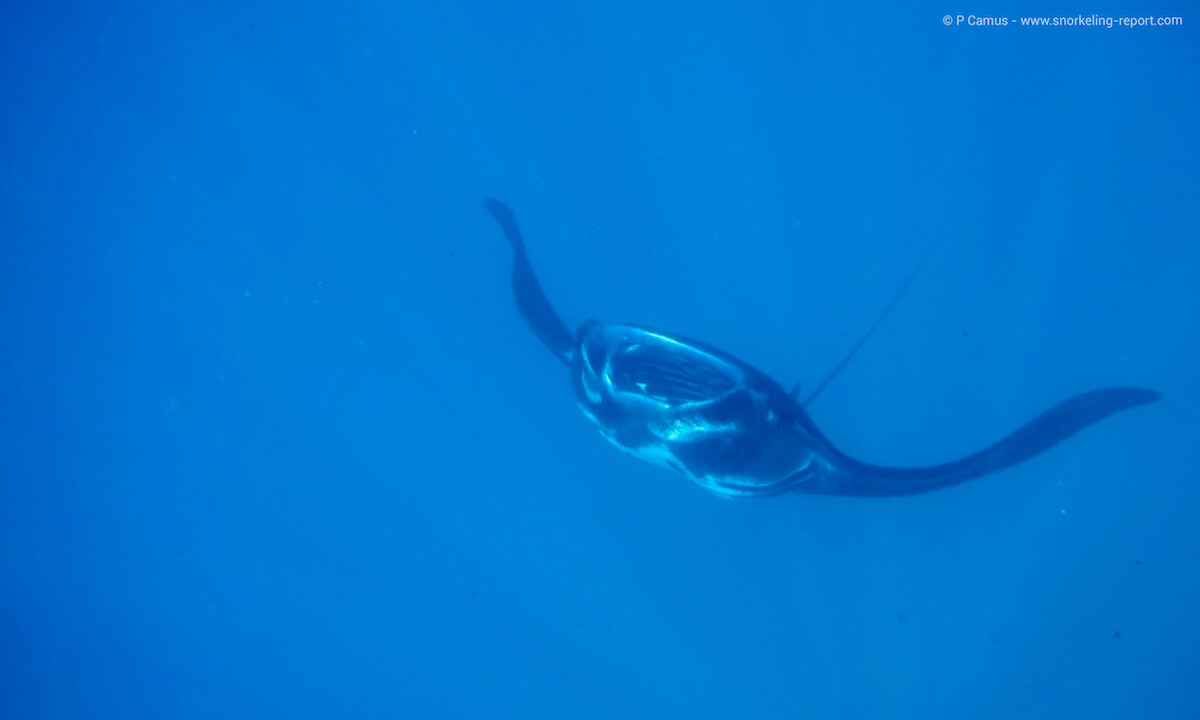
[531, 301]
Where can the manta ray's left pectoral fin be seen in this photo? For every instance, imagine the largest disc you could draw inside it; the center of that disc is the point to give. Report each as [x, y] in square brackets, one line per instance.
[853, 477]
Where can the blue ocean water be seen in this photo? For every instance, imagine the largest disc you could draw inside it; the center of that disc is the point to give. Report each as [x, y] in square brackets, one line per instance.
[276, 442]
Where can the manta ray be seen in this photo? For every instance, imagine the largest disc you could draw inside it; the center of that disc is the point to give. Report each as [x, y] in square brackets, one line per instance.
[689, 407]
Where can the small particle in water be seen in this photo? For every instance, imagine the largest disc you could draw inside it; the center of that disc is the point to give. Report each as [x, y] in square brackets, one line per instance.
[1116, 634]
[1063, 511]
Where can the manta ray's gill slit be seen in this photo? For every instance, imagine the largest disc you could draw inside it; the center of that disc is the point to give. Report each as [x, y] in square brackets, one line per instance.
[667, 375]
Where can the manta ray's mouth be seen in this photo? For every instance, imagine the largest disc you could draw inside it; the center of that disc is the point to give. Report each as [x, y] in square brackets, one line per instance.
[668, 371]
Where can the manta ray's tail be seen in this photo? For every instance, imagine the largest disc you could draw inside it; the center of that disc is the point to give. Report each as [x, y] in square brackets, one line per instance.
[852, 477]
[531, 301]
